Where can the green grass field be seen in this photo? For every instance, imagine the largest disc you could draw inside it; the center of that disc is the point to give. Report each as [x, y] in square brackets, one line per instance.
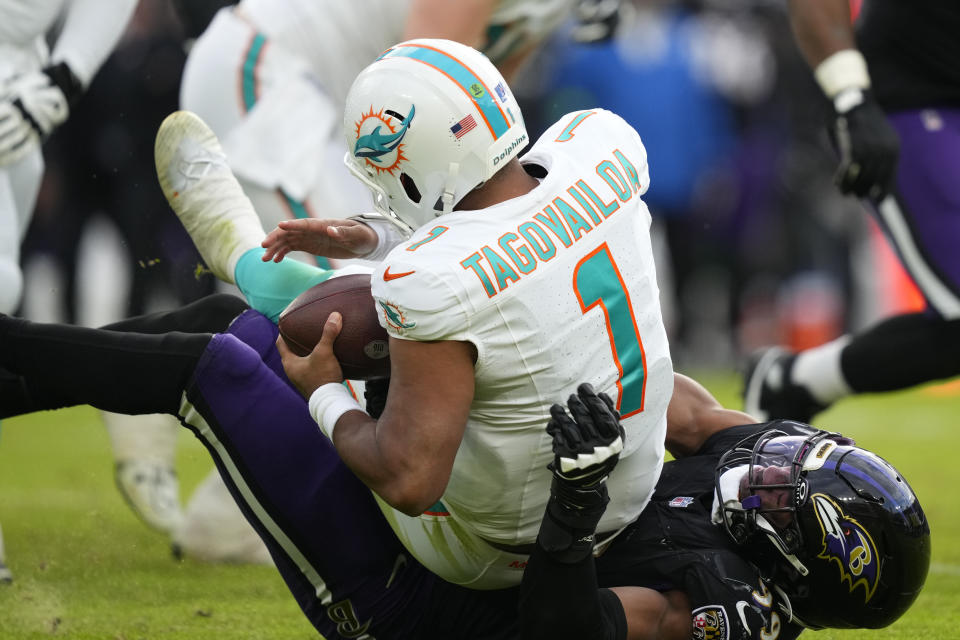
[86, 568]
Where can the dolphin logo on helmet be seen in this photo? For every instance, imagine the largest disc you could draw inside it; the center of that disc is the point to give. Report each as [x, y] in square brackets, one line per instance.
[376, 144]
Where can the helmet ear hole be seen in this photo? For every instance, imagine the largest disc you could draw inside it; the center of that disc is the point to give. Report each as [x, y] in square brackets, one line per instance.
[410, 188]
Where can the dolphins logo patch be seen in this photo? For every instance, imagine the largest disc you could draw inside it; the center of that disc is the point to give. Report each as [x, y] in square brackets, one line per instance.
[380, 140]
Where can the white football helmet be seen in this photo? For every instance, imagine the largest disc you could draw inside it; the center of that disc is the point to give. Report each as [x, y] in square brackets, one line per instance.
[425, 124]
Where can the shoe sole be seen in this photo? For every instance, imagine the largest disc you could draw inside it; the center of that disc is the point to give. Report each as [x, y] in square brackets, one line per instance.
[187, 128]
[174, 128]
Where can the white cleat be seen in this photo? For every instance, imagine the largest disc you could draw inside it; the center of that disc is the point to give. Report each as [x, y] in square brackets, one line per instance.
[203, 192]
[153, 492]
[214, 529]
[5, 575]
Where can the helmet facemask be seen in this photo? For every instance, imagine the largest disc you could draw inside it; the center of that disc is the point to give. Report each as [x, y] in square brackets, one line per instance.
[770, 489]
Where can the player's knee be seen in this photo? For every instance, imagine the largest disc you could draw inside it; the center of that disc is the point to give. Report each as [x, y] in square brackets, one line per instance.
[12, 288]
[212, 313]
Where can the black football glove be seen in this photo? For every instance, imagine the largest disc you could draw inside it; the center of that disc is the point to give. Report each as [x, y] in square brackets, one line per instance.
[587, 443]
[868, 147]
[32, 105]
[588, 440]
[597, 20]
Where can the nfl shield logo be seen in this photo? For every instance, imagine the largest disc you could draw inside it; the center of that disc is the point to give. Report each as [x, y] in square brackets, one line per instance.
[681, 502]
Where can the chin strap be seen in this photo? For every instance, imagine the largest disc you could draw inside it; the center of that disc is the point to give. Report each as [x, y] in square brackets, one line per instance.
[450, 187]
[775, 539]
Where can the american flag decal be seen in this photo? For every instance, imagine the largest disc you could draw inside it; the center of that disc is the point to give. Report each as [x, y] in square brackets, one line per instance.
[461, 128]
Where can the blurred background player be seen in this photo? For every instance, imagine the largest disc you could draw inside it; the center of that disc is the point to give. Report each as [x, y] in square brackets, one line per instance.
[38, 88]
[895, 89]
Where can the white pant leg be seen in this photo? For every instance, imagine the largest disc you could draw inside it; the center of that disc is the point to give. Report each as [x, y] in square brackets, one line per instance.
[19, 186]
[441, 544]
[279, 127]
[19, 182]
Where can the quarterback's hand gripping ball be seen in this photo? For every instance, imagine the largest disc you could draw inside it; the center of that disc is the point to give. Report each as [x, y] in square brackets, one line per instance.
[361, 347]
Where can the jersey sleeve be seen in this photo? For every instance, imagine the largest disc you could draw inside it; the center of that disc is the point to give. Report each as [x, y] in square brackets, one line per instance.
[583, 133]
[417, 304]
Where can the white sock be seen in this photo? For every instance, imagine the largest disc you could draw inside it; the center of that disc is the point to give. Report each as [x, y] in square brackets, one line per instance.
[147, 438]
[12, 288]
[818, 370]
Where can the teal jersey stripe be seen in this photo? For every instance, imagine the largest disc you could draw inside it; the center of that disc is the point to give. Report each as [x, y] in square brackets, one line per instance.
[468, 81]
[249, 83]
[300, 211]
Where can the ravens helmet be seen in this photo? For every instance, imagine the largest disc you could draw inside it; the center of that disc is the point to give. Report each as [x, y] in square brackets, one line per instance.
[849, 544]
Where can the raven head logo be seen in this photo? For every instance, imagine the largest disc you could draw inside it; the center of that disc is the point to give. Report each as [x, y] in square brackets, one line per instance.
[849, 544]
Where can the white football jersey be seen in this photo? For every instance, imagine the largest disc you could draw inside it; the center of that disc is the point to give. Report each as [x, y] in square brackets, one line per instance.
[89, 31]
[554, 288]
[339, 38]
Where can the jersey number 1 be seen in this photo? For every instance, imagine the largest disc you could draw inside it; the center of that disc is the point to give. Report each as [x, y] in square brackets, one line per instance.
[597, 282]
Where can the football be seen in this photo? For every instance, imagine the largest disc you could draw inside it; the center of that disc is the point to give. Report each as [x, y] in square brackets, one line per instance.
[361, 346]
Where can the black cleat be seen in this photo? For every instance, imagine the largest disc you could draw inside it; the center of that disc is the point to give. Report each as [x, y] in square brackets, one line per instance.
[768, 392]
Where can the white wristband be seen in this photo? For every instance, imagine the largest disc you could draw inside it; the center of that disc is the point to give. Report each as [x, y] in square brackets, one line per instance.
[388, 235]
[328, 403]
[843, 70]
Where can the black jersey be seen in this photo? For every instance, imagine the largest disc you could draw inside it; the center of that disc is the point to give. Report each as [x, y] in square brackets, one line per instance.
[912, 49]
[674, 545]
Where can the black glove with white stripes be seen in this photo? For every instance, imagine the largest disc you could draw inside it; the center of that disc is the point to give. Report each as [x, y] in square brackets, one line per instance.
[587, 442]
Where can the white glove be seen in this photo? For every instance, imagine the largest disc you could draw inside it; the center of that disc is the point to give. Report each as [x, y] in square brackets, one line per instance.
[32, 106]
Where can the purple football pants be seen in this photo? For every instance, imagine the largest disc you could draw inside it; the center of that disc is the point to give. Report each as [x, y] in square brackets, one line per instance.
[922, 216]
[334, 549]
